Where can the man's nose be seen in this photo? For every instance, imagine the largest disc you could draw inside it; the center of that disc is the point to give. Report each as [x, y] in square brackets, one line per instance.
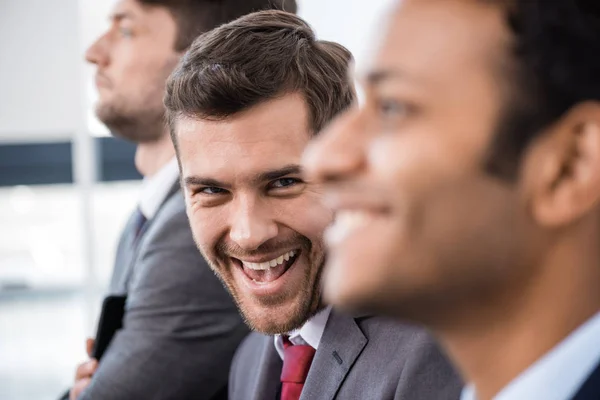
[252, 224]
[97, 53]
[338, 151]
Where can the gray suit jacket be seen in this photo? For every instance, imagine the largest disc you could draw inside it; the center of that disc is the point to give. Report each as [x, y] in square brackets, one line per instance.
[181, 327]
[366, 358]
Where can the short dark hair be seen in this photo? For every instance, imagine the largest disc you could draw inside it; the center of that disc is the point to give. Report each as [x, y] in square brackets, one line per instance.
[256, 58]
[555, 65]
[194, 17]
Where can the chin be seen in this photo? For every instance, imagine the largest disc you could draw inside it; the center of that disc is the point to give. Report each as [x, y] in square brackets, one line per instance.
[274, 325]
[345, 298]
[276, 319]
[342, 290]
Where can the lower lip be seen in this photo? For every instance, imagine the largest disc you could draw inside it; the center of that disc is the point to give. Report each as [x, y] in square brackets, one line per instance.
[260, 289]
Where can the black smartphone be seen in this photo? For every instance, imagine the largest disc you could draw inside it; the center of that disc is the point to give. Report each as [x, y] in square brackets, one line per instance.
[111, 320]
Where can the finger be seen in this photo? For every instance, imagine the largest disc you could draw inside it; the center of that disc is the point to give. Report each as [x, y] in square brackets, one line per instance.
[86, 369]
[89, 346]
[78, 388]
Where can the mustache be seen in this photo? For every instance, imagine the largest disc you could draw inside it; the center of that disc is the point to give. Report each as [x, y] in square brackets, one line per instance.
[101, 76]
[229, 249]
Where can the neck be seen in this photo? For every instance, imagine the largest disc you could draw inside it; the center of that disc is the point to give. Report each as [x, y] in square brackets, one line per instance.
[151, 157]
[498, 342]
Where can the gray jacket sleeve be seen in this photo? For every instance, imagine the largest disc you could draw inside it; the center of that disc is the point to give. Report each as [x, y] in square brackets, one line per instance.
[181, 327]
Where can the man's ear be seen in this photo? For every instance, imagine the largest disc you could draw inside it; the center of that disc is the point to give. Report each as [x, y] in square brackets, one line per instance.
[562, 168]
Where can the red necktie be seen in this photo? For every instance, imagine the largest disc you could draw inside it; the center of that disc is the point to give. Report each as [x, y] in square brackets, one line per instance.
[296, 363]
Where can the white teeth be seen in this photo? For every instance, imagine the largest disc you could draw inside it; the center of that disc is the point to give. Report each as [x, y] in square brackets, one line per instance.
[265, 265]
[346, 222]
[269, 264]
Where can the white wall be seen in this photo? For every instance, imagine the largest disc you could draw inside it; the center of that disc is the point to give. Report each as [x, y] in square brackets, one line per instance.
[38, 60]
[353, 23]
[41, 57]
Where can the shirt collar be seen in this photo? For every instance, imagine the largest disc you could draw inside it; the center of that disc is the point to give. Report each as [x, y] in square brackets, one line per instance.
[156, 188]
[310, 333]
[558, 374]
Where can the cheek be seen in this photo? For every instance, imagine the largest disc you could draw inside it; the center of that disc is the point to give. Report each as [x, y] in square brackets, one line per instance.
[417, 154]
[306, 215]
[124, 64]
[136, 68]
[207, 227]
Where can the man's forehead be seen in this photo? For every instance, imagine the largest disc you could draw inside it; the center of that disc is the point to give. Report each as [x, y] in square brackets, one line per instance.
[279, 126]
[141, 13]
[123, 9]
[224, 150]
[426, 37]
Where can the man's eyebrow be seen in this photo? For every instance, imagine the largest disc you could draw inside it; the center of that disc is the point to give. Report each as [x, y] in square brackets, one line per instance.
[378, 77]
[121, 15]
[292, 169]
[201, 181]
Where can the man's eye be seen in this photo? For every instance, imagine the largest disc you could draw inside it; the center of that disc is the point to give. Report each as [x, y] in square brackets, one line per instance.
[390, 108]
[125, 32]
[284, 182]
[212, 190]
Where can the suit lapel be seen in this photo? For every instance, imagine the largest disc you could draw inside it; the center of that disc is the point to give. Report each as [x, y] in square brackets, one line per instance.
[591, 388]
[128, 248]
[123, 259]
[340, 346]
[268, 372]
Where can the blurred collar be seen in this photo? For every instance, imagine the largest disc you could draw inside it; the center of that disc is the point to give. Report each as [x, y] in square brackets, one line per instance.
[156, 188]
[560, 373]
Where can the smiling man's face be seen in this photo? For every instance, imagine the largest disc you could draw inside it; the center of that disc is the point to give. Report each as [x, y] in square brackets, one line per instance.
[253, 217]
[421, 225]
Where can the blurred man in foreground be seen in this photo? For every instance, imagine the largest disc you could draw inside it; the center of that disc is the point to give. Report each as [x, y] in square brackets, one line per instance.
[243, 104]
[181, 327]
[467, 190]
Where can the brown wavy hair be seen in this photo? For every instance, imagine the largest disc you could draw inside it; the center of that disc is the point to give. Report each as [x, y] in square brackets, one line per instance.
[256, 58]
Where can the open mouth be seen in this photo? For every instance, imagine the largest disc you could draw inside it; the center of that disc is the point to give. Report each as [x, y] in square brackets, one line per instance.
[270, 270]
[346, 223]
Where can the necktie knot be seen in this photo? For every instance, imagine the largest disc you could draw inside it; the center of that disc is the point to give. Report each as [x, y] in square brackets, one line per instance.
[296, 364]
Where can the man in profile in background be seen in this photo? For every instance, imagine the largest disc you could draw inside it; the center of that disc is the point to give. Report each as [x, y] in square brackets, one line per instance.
[180, 327]
[243, 104]
[467, 191]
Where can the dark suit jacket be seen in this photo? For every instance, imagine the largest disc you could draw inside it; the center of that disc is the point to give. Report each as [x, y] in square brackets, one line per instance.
[181, 327]
[591, 388]
[358, 358]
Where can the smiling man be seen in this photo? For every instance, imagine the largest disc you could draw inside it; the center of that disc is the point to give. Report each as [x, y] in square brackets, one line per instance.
[470, 184]
[180, 326]
[243, 104]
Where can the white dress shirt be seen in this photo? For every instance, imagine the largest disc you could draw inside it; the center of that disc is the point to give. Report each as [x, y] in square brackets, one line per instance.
[560, 373]
[310, 333]
[156, 188]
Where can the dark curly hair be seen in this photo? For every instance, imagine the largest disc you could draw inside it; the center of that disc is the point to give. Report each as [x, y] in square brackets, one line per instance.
[555, 65]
